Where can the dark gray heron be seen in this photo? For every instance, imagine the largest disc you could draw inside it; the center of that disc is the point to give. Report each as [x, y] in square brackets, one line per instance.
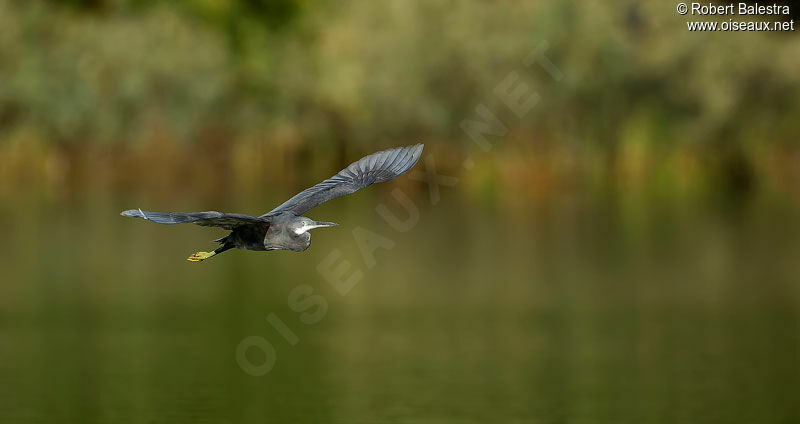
[283, 228]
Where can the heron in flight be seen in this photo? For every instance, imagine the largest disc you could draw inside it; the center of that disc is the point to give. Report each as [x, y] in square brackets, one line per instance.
[284, 228]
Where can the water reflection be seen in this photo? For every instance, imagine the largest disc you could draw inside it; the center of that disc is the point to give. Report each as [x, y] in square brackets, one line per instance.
[571, 311]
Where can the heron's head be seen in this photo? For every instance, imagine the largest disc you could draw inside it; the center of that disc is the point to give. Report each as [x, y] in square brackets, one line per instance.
[303, 224]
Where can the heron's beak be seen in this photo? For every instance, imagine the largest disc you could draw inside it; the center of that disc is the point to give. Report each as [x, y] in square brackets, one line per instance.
[318, 224]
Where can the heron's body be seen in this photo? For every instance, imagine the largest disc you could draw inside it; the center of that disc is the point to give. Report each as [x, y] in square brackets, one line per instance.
[278, 233]
[284, 228]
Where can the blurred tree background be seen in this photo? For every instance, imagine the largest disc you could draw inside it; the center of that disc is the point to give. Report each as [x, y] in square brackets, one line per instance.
[94, 92]
[627, 252]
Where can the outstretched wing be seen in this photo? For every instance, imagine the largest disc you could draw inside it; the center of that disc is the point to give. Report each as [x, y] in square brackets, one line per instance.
[228, 221]
[375, 168]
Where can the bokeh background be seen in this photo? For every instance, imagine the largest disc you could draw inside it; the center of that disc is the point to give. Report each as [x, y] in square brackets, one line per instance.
[627, 252]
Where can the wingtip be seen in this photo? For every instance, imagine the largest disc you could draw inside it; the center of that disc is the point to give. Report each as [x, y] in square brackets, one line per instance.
[133, 213]
[409, 157]
[417, 153]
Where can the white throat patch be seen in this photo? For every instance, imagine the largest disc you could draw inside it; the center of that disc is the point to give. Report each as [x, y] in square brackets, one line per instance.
[305, 228]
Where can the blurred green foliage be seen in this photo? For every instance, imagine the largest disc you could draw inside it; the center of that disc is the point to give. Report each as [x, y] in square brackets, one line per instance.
[574, 273]
[642, 99]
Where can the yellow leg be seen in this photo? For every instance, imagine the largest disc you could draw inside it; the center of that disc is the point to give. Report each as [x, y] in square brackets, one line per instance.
[200, 256]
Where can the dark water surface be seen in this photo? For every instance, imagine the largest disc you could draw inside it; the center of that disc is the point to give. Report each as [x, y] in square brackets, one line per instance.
[562, 312]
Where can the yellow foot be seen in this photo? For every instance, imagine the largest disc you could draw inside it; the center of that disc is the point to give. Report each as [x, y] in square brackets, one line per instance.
[200, 256]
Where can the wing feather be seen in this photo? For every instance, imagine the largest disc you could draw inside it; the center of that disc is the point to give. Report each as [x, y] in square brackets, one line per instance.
[375, 168]
[228, 221]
